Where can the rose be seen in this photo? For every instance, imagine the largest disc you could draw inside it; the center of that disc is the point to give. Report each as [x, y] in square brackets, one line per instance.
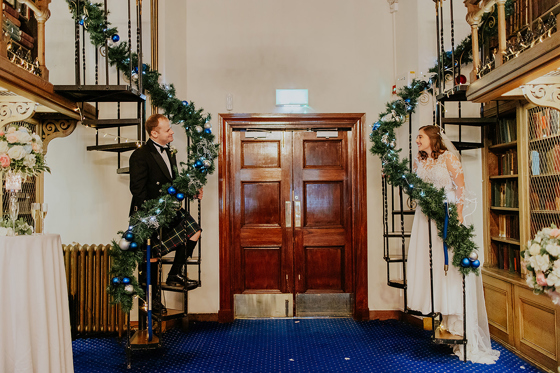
[17, 152]
[23, 129]
[1, 133]
[36, 147]
[12, 130]
[542, 262]
[552, 280]
[4, 160]
[541, 279]
[12, 137]
[534, 249]
[29, 160]
[24, 137]
[553, 250]
[555, 233]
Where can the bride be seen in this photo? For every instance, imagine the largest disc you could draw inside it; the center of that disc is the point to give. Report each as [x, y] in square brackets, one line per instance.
[436, 164]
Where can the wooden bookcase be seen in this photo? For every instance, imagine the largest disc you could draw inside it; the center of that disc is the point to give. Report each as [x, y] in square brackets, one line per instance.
[520, 198]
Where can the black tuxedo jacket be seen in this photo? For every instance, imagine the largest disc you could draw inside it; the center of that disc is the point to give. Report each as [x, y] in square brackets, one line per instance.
[148, 174]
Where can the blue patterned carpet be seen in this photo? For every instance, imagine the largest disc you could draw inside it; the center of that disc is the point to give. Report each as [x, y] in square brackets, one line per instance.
[289, 345]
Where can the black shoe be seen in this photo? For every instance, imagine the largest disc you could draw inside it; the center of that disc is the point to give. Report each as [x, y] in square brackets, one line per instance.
[157, 307]
[175, 280]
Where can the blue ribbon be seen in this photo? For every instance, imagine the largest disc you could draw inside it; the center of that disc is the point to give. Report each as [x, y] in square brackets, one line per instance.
[148, 295]
[445, 224]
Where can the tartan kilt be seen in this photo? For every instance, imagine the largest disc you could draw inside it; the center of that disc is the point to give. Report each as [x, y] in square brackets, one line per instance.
[183, 227]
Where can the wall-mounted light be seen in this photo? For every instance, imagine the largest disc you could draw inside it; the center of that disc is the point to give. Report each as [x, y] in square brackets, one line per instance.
[292, 97]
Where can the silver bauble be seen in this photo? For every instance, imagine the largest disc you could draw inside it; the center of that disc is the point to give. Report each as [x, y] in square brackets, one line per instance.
[473, 256]
[129, 289]
[206, 163]
[385, 139]
[124, 244]
[134, 77]
[207, 125]
[393, 144]
[198, 129]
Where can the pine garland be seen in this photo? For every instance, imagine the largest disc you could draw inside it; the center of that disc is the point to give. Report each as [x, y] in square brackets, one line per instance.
[202, 152]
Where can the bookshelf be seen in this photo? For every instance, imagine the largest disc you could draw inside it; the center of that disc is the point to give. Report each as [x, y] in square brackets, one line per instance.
[503, 236]
[544, 167]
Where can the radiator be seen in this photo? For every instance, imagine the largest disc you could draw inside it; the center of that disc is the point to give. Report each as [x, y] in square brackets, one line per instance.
[87, 276]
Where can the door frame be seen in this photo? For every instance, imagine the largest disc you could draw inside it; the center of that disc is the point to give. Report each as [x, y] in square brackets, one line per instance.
[352, 121]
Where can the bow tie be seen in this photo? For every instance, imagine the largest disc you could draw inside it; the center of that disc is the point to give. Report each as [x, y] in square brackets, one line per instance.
[161, 148]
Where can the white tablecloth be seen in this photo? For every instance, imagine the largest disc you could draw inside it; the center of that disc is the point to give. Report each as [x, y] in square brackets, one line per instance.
[34, 316]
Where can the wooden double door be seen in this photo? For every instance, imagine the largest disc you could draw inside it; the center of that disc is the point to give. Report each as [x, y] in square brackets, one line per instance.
[292, 212]
[292, 209]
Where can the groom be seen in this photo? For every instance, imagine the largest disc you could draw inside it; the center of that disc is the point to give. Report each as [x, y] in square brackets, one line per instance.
[152, 166]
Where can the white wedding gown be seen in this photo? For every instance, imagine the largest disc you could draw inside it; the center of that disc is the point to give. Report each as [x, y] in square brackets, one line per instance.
[446, 172]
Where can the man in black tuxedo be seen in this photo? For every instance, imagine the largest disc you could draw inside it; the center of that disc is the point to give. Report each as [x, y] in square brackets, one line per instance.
[152, 166]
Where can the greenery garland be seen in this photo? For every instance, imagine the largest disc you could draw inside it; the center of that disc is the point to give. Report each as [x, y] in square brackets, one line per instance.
[430, 199]
[202, 152]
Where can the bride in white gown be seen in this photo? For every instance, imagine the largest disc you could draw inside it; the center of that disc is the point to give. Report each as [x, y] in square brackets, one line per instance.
[436, 165]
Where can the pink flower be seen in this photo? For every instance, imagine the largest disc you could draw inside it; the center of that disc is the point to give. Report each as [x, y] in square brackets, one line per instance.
[1, 133]
[4, 160]
[12, 137]
[555, 233]
[541, 279]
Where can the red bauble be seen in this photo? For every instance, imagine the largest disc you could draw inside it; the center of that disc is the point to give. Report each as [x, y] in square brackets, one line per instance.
[460, 79]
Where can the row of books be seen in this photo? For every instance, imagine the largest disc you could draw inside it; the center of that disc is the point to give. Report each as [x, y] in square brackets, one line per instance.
[546, 199]
[507, 163]
[507, 257]
[544, 122]
[11, 25]
[505, 193]
[506, 131]
[545, 161]
[508, 226]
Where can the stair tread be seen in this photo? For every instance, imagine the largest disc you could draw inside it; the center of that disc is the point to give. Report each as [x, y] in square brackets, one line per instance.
[111, 123]
[120, 147]
[457, 93]
[100, 93]
[462, 145]
[471, 122]
[123, 170]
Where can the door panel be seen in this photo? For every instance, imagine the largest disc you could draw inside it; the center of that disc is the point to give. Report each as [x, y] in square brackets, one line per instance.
[322, 258]
[262, 244]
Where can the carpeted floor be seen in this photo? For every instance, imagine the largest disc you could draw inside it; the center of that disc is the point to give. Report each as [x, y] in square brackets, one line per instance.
[289, 345]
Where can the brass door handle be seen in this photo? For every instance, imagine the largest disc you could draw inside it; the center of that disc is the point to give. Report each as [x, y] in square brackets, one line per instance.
[288, 214]
[297, 213]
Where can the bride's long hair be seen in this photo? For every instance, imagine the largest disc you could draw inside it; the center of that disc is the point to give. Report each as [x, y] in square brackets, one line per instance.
[436, 143]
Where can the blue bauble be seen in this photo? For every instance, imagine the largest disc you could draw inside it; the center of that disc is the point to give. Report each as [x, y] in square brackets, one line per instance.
[198, 164]
[128, 236]
[186, 103]
[180, 196]
[126, 280]
[376, 125]
[475, 263]
[171, 190]
[207, 130]
[136, 69]
[115, 38]
[144, 67]
[116, 280]
[466, 262]
[133, 245]
[203, 170]
[81, 22]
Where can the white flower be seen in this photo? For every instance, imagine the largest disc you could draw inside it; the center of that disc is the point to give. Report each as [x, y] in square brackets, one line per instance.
[12, 129]
[17, 152]
[535, 249]
[557, 264]
[542, 263]
[553, 280]
[546, 232]
[29, 160]
[24, 137]
[530, 279]
[538, 238]
[23, 129]
[4, 147]
[553, 250]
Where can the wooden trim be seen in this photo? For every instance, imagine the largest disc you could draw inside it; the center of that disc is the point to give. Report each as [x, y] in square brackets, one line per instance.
[205, 317]
[355, 122]
[386, 315]
[529, 65]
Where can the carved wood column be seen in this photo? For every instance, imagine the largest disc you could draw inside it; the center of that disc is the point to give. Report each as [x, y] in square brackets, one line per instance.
[3, 37]
[501, 32]
[42, 14]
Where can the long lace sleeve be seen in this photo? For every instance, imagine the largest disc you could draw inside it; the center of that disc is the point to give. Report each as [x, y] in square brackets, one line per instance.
[455, 170]
[415, 164]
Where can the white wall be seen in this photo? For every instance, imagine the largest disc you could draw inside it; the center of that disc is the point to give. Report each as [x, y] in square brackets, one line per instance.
[341, 51]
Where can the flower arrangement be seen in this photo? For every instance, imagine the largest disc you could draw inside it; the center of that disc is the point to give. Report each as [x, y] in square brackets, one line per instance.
[21, 152]
[542, 260]
[21, 227]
